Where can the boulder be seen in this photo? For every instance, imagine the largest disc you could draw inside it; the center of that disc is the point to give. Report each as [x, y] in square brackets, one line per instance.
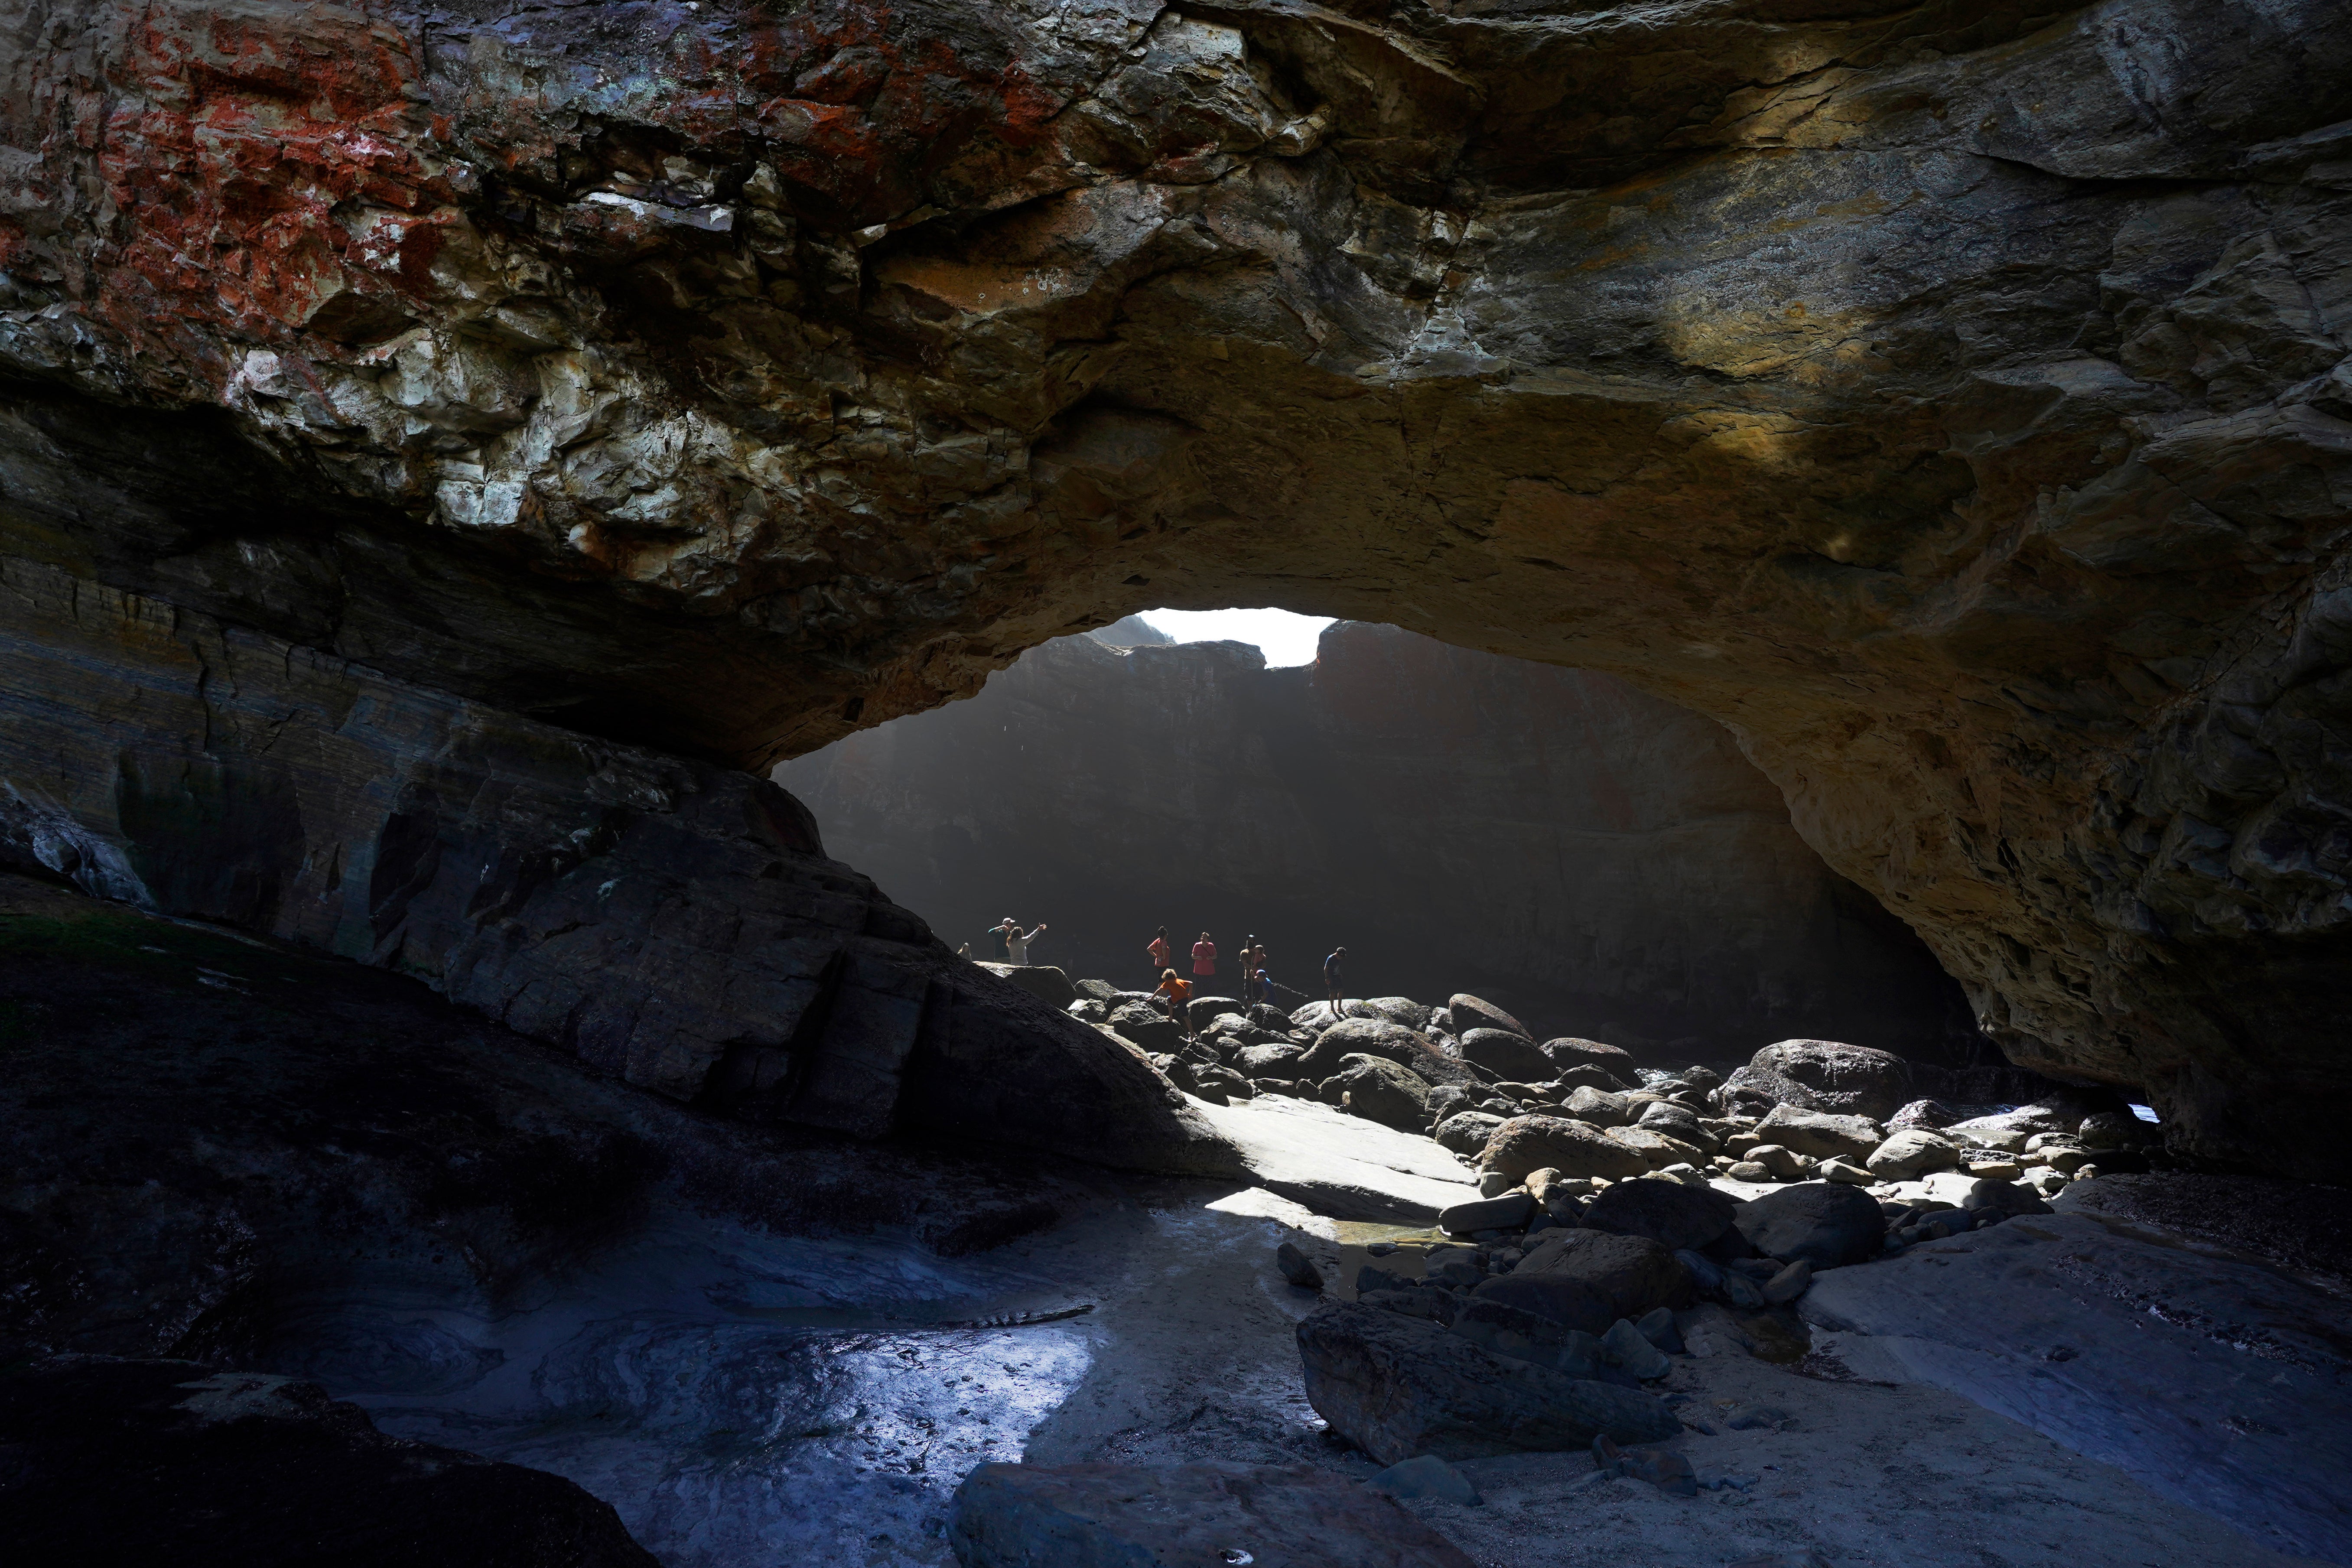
[1567, 1053]
[1397, 1386]
[1268, 1061]
[1778, 1163]
[1668, 1213]
[1826, 1224]
[1980, 1193]
[1587, 1077]
[1510, 1212]
[1426, 1475]
[1136, 1516]
[1380, 1090]
[1820, 1134]
[1273, 1020]
[1677, 1122]
[1043, 981]
[1467, 1013]
[1203, 1011]
[1930, 1114]
[1838, 1168]
[1401, 1010]
[175, 1462]
[1629, 1348]
[2111, 1130]
[1599, 1106]
[1297, 1268]
[1148, 1027]
[1914, 1152]
[1394, 1042]
[1510, 1055]
[1626, 1275]
[1657, 1149]
[1465, 1131]
[1829, 1075]
[1525, 1144]
[1099, 991]
[2009, 1130]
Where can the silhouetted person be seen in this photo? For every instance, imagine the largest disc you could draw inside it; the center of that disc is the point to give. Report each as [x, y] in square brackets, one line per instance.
[1161, 952]
[1331, 979]
[1002, 932]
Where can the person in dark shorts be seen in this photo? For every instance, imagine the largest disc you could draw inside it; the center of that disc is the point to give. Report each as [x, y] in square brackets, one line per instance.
[1331, 978]
[1161, 952]
[1178, 994]
[1205, 959]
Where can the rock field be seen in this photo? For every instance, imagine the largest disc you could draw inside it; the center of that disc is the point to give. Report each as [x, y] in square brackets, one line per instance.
[329, 1253]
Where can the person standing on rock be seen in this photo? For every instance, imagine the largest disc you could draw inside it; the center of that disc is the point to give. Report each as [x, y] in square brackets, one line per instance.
[1160, 951]
[1204, 958]
[1252, 956]
[1016, 946]
[1331, 979]
[1002, 932]
[1178, 994]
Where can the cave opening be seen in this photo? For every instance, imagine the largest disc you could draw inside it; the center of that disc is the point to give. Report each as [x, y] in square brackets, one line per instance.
[1553, 839]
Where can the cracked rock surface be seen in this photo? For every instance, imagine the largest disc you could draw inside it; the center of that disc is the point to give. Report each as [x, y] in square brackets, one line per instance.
[1952, 400]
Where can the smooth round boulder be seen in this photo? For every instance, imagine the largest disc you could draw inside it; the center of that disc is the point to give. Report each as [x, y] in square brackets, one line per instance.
[1465, 1132]
[1821, 1134]
[1668, 1213]
[1381, 1090]
[1504, 1053]
[1394, 1042]
[1914, 1152]
[1401, 1010]
[1932, 1115]
[1267, 1061]
[1659, 1150]
[1525, 1144]
[1827, 1076]
[1468, 1013]
[1569, 1051]
[1827, 1224]
[1677, 1122]
[1569, 1079]
[2110, 1130]
[1632, 1275]
[1599, 1106]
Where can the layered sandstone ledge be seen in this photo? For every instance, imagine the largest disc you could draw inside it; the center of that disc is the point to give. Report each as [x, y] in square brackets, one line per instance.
[1951, 401]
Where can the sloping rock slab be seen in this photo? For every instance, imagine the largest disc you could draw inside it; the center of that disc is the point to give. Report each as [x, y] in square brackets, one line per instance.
[1396, 1386]
[2219, 1384]
[1341, 1166]
[1139, 1516]
[172, 1461]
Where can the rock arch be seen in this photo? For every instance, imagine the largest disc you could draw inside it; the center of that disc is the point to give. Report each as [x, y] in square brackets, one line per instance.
[1953, 401]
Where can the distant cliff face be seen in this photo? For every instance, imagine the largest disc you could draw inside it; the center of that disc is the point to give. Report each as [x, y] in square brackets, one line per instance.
[1609, 864]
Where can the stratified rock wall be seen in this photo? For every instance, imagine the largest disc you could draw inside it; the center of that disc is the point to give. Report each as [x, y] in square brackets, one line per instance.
[671, 923]
[1604, 863]
[1952, 400]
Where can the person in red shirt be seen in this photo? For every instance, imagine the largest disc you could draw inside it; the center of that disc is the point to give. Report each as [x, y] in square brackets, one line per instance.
[1160, 951]
[1179, 996]
[1204, 958]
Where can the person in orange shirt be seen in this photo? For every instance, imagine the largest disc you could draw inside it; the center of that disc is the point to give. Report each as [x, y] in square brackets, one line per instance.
[1178, 994]
[1160, 950]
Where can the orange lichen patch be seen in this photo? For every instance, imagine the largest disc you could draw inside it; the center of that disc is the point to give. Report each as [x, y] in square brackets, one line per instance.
[230, 159]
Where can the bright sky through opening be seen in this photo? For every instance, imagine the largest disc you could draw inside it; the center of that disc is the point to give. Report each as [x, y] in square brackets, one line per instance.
[1282, 636]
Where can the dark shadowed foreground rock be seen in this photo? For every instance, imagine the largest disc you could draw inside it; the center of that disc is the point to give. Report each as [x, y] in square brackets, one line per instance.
[1621, 1276]
[1825, 1222]
[1668, 1213]
[1396, 1386]
[668, 922]
[159, 1462]
[1198, 1515]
